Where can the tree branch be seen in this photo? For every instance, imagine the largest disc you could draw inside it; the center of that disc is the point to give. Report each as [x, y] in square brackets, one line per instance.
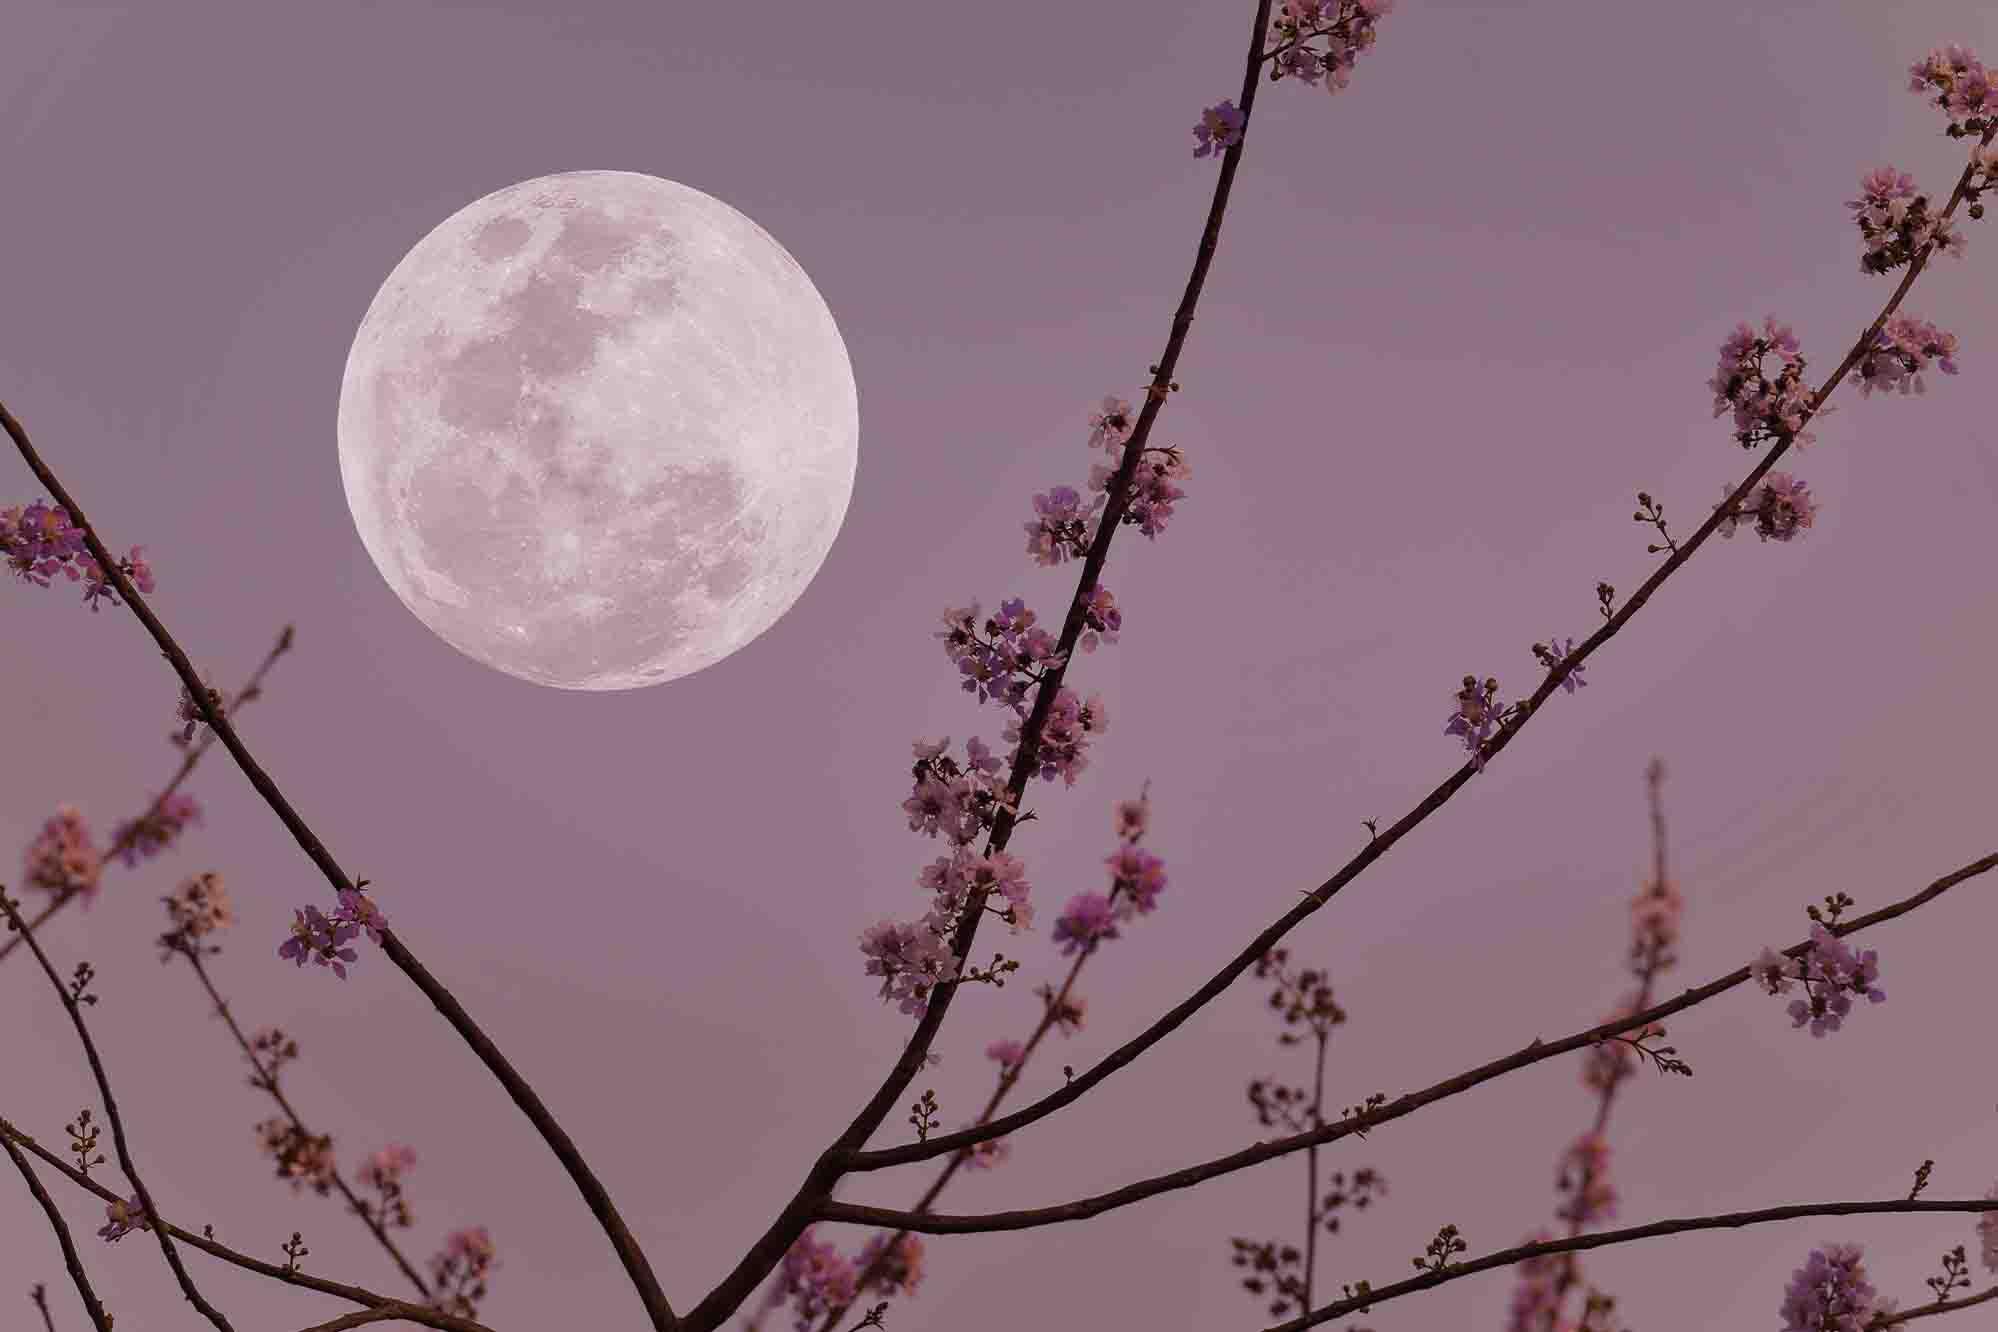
[594, 1194]
[74, 1007]
[304, 1281]
[61, 1228]
[931, 1224]
[1724, 1221]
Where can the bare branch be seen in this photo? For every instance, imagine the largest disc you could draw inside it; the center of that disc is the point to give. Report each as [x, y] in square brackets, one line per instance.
[69, 1254]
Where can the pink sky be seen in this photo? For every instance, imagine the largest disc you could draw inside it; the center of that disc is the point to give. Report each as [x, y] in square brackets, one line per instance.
[1461, 314]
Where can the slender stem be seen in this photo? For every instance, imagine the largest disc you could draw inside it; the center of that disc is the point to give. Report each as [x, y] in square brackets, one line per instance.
[40, 1295]
[1311, 1170]
[250, 691]
[69, 1254]
[1724, 1221]
[594, 1194]
[75, 1009]
[304, 1281]
[267, 1079]
[835, 1160]
[1268, 1151]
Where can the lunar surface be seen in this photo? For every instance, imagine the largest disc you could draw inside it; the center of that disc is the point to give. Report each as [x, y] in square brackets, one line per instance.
[598, 430]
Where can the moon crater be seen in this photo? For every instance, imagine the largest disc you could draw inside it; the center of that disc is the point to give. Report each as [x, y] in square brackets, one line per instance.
[598, 430]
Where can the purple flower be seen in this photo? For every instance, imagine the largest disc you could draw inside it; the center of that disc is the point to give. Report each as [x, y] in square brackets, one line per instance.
[1220, 127]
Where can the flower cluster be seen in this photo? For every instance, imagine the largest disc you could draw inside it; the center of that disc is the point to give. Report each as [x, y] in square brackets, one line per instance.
[897, 1271]
[188, 714]
[62, 859]
[1061, 529]
[1478, 713]
[1763, 408]
[40, 540]
[1831, 972]
[911, 959]
[1830, 1293]
[155, 830]
[1007, 1054]
[383, 1173]
[1111, 426]
[122, 1217]
[1781, 508]
[1582, 1177]
[1901, 350]
[1100, 619]
[1013, 645]
[1983, 177]
[1220, 127]
[815, 1278]
[1152, 492]
[1894, 222]
[1347, 27]
[1959, 84]
[459, 1271]
[1553, 656]
[197, 909]
[1137, 877]
[1065, 735]
[962, 803]
[302, 1158]
[324, 939]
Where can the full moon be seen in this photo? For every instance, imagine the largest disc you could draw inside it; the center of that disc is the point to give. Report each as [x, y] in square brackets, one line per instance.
[598, 430]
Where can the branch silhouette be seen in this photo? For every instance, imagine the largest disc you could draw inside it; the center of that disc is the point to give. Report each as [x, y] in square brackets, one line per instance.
[594, 1194]
[1082, 1208]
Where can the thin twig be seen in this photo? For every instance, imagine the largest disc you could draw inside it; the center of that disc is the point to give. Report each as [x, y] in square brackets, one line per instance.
[267, 1079]
[1267, 1151]
[69, 1254]
[276, 1272]
[71, 1003]
[249, 693]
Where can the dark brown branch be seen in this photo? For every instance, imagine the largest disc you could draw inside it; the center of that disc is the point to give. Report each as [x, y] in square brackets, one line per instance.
[1267, 1151]
[304, 1281]
[69, 1255]
[819, 1182]
[75, 1009]
[594, 1194]
[1724, 1221]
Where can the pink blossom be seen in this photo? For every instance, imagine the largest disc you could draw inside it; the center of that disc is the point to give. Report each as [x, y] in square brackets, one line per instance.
[62, 859]
[900, 1269]
[1153, 491]
[1476, 715]
[200, 907]
[1764, 408]
[1088, 918]
[1007, 1054]
[1583, 1175]
[1111, 426]
[1100, 617]
[320, 939]
[1142, 877]
[155, 830]
[816, 1278]
[1901, 351]
[123, 1218]
[1960, 85]
[1061, 531]
[1781, 508]
[1830, 1293]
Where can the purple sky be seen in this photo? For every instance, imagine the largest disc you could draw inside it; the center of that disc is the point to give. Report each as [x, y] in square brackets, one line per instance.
[1461, 314]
